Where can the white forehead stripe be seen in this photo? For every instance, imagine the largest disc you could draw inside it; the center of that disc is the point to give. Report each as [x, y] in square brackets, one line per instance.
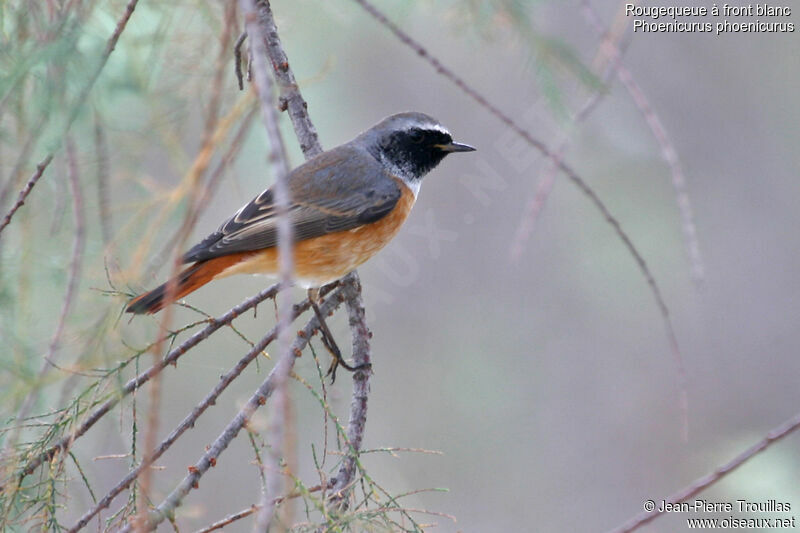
[427, 126]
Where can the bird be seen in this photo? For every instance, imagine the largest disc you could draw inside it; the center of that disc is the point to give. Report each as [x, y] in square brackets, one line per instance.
[345, 204]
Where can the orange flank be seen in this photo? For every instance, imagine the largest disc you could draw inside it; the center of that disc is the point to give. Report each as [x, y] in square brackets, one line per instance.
[317, 261]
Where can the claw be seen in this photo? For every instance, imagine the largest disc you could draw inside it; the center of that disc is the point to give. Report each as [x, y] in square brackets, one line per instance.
[329, 342]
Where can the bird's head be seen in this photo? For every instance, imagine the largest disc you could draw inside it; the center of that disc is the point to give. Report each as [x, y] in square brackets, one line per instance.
[410, 145]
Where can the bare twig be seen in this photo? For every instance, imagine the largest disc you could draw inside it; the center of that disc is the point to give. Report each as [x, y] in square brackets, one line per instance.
[546, 182]
[198, 169]
[263, 82]
[358, 403]
[290, 98]
[171, 359]
[237, 57]
[699, 485]
[23, 194]
[110, 45]
[570, 173]
[233, 517]
[228, 520]
[189, 421]
[22, 159]
[48, 360]
[668, 151]
[259, 398]
[76, 108]
[212, 115]
[309, 144]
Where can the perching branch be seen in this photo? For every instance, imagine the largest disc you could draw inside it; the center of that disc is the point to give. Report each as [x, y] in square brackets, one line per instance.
[358, 403]
[309, 144]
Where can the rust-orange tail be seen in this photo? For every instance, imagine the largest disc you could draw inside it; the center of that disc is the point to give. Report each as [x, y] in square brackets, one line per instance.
[188, 281]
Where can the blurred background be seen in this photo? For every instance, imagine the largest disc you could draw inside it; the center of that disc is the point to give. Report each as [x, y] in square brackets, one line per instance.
[539, 367]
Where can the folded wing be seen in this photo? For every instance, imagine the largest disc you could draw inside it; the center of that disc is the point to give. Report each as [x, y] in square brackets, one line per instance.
[338, 190]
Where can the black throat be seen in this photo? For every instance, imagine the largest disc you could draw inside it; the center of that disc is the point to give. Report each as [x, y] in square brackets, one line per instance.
[413, 152]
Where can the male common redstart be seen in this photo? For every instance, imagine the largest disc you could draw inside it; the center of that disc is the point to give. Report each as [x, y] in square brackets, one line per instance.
[345, 205]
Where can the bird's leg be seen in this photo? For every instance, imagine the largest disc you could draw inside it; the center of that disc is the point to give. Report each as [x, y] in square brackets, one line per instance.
[328, 340]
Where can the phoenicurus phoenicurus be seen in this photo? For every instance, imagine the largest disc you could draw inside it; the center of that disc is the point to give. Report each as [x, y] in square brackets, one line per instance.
[345, 205]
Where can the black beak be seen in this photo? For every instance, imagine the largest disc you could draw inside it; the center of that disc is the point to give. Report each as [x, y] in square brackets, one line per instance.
[455, 147]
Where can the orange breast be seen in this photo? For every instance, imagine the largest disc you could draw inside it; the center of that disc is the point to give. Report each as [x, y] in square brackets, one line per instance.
[327, 258]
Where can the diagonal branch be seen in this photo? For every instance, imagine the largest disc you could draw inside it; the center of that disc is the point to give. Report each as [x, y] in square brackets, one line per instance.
[171, 359]
[668, 151]
[196, 194]
[23, 194]
[290, 98]
[276, 435]
[309, 143]
[546, 182]
[75, 266]
[573, 176]
[189, 421]
[701, 484]
[259, 398]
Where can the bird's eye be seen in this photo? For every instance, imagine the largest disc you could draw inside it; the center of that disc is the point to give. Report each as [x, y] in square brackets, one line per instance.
[416, 136]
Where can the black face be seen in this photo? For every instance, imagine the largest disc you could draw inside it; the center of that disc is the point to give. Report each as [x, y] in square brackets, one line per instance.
[415, 151]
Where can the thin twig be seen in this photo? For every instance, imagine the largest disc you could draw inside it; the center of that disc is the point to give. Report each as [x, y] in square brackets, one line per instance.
[699, 485]
[309, 144]
[228, 520]
[189, 421]
[212, 115]
[198, 169]
[544, 186]
[233, 517]
[23, 194]
[290, 98]
[212, 454]
[571, 174]
[134, 383]
[237, 57]
[22, 159]
[668, 151]
[110, 45]
[264, 87]
[78, 245]
[358, 403]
